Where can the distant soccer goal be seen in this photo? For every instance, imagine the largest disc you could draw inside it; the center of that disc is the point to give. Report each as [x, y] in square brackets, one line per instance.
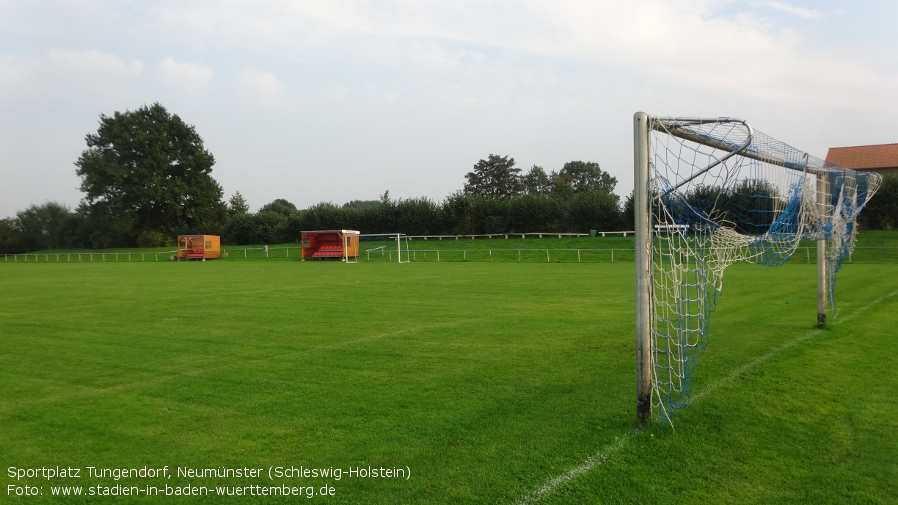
[710, 192]
[392, 247]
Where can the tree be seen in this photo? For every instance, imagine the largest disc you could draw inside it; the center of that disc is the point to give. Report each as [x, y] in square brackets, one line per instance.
[417, 216]
[536, 213]
[324, 216]
[240, 229]
[628, 212]
[146, 170]
[281, 206]
[461, 213]
[882, 210]
[583, 176]
[560, 186]
[593, 210]
[237, 205]
[361, 204]
[750, 206]
[495, 177]
[536, 181]
[10, 237]
[43, 226]
[709, 200]
[271, 227]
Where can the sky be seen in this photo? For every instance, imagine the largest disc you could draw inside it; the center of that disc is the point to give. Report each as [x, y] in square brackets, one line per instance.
[332, 101]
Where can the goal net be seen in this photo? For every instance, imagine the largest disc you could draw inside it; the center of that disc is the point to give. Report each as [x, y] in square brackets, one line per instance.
[711, 192]
[384, 247]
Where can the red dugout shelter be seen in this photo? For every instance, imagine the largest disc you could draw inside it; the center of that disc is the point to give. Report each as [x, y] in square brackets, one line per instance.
[333, 244]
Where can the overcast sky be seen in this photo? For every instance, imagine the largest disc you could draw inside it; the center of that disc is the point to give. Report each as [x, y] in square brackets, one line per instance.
[331, 101]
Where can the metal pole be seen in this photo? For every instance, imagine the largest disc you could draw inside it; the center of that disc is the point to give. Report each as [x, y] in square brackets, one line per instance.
[821, 254]
[643, 267]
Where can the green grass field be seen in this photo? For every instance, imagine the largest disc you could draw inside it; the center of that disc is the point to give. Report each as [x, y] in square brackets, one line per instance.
[457, 382]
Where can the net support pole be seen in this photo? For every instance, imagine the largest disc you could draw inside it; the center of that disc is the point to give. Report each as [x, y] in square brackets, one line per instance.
[642, 226]
[822, 192]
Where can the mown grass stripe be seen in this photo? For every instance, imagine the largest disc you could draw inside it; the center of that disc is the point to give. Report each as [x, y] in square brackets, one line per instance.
[603, 454]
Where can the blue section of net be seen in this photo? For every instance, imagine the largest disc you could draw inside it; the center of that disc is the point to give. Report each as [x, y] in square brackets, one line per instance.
[712, 206]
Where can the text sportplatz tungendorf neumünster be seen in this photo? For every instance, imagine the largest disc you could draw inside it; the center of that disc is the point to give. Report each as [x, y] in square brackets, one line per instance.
[180, 480]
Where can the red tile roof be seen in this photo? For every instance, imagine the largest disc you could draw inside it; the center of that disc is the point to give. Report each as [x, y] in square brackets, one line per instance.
[864, 157]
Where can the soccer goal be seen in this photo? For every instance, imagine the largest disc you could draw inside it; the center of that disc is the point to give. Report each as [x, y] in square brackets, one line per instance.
[708, 193]
[391, 247]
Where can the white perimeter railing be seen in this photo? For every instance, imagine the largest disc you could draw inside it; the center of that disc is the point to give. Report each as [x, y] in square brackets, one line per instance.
[529, 255]
[87, 257]
[281, 253]
[524, 235]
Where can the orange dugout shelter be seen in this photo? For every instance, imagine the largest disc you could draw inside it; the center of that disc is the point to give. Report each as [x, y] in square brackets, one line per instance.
[199, 247]
[334, 244]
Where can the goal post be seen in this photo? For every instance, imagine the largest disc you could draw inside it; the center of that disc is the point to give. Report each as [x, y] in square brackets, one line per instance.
[822, 289]
[643, 258]
[385, 246]
[709, 192]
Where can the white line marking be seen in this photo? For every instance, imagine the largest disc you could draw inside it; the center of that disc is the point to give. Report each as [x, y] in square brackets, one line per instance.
[590, 463]
[597, 459]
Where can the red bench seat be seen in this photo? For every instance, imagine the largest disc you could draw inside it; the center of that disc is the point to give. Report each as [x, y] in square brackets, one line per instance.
[328, 254]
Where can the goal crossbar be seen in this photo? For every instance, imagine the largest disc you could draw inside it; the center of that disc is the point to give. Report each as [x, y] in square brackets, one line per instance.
[709, 192]
[682, 127]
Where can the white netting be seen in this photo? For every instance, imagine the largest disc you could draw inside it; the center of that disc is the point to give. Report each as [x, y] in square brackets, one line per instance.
[720, 192]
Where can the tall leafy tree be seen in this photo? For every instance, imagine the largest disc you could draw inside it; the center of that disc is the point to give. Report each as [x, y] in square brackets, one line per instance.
[281, 206]
[583, 176]
[494, 177]
[536, 181]
[147, 171]
[10, 237]
[237, 204]
[43, 226]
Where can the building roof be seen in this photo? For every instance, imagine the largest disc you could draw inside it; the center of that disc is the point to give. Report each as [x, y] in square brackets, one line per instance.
[864, 157]
[342, 232]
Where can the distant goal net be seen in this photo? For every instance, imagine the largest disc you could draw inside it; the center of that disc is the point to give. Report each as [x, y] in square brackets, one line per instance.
[708, 193]
[384, 247]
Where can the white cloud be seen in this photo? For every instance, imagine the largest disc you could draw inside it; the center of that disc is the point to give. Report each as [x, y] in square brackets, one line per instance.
[798, 11]
[543, 81]
[337, 93]
[57, 74]
[18, 69]
[92, 62]
[262, 85]
[187, 75]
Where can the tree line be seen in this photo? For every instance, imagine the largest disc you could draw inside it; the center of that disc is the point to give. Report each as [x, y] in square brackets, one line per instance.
[147, 178]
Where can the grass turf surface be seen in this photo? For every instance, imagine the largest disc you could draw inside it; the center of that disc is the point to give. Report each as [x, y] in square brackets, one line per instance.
[489, 382]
